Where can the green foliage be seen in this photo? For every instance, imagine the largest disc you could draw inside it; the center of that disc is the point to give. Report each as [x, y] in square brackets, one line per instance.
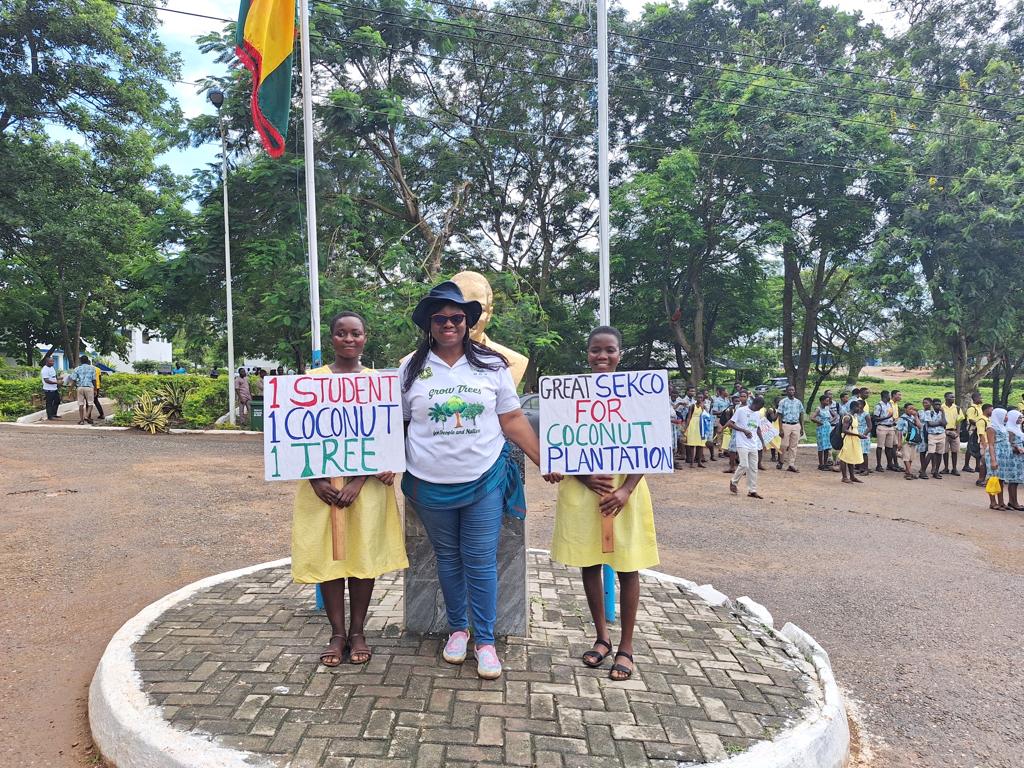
[16, 396]
[173, 394]
[148, 415]
[206, 403]
[19, 371]
[146, 366]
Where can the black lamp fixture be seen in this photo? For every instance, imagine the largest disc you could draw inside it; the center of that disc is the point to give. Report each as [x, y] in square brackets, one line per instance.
[216, 97]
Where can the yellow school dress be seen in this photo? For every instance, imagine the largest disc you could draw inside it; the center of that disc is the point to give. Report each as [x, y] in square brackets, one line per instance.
[851, 452]
[577, 537]
[374, 541]
[776, 442]
[726, 438]
[693, 437]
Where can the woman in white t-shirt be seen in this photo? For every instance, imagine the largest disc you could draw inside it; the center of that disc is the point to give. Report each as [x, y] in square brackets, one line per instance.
[460, 404]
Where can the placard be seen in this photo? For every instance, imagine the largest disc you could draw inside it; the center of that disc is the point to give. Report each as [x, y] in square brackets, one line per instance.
[332, 425]
[606, 423]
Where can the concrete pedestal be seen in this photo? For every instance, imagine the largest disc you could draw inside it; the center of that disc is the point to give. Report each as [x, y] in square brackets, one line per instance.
[424, 603]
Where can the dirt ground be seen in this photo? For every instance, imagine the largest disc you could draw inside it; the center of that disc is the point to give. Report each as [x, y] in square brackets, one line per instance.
[913, 587]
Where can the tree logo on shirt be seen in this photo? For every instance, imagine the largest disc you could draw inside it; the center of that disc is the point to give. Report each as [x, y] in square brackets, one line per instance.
[426, 373]
[457, 408]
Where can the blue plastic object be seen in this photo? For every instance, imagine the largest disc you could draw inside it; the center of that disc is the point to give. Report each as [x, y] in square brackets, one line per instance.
[319, 598]
[609, 593]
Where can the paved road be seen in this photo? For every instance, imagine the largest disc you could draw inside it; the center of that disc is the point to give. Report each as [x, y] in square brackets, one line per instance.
[913, 587]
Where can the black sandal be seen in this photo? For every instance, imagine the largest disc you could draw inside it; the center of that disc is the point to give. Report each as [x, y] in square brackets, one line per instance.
[627, 671]
[594, 658]
[338, 654]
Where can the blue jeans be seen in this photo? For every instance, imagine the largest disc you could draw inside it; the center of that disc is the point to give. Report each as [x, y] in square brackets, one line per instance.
[465, 541]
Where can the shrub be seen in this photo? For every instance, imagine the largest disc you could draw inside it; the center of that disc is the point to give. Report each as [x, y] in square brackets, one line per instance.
[146, 366]
[149, 416]
[173, 393]
[16, 396]
[206, 403]
[19, 371]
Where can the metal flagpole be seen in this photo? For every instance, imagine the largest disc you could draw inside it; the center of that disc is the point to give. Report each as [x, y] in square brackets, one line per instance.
[216, 98]
[307, 134]
[314, 261]
[604, 223]
[602, 159]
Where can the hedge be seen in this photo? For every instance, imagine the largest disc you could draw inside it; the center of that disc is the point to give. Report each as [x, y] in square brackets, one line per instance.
[16, 397]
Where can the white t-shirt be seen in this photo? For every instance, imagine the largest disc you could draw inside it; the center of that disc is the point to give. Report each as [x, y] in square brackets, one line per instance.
[747, 419]
[48, 372]
[454, 433]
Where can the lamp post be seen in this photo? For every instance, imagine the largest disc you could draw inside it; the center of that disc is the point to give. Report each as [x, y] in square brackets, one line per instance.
[217, 99]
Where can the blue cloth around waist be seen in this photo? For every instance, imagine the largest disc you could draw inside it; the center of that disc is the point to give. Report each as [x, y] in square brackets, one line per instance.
[503, 474]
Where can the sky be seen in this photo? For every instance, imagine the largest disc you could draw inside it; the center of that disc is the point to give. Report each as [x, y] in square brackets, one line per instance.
[180, 32]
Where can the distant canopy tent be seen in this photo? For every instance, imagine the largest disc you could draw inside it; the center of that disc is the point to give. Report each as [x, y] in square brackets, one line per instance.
[264, 40]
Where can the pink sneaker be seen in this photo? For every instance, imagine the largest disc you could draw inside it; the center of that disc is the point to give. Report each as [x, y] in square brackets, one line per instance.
[488, 666]
[455, 648]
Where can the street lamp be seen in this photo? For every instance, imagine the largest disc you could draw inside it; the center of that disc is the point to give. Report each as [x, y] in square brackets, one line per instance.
[217, 99]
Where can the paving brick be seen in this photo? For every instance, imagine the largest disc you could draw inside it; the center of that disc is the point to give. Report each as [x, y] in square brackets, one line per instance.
[239, 661]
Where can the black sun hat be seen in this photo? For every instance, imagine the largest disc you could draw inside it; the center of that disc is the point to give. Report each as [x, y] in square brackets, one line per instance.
[445, 293]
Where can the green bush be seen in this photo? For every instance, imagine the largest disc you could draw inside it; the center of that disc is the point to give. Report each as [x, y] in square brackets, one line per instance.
[19, 371]
[870, 380]
[127, 388]
[207, 403]
[146, 366]
[16, 397]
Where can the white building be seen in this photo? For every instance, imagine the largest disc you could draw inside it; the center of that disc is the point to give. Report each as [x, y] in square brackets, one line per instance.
[143, 345]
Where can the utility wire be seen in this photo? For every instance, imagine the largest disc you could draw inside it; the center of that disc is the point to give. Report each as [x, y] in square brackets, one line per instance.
[565, 78]
[663, 150]
[661, 41]
[637, 54]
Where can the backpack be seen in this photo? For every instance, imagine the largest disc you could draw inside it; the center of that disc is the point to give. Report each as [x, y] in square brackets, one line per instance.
[914, 435]
[836, 438]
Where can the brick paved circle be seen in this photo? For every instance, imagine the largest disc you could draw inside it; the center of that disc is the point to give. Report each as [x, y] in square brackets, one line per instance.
[237, 662]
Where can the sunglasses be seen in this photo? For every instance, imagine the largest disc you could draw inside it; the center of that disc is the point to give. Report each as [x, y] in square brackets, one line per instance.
[441, 320]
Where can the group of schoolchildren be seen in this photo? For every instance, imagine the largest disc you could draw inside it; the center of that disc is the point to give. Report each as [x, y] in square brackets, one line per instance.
[922, 443]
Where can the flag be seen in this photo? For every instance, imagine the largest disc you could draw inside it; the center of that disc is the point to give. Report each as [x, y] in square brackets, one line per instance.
[264, 40]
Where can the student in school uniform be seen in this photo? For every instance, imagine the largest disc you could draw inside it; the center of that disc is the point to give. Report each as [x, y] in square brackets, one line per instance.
[822, 418]
[576, 541]
[852, 454]
[374, 541]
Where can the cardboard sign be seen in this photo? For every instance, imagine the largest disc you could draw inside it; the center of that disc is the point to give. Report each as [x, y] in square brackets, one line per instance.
[332, 425]
[606, 423]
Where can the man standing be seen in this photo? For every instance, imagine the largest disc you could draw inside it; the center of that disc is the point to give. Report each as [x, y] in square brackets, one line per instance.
[719, 405]
[51, 390]
[96, 393]
[885, 433]
[791, 414]
[974, 412]
[243, 394]
[981, 426]
[934, 422]
[746, 442]
[84, 377]
[954, 416]
[908, 435]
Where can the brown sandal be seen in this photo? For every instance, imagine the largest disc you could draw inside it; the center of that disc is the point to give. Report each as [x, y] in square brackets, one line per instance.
[367, 653]
[331, 653]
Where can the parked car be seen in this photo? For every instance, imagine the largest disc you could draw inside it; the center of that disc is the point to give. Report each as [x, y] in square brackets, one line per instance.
[531, 407]
[779, 382]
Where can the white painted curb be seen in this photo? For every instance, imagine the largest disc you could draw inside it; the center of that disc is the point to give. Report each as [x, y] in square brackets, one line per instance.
[128, 730]
[821, 741]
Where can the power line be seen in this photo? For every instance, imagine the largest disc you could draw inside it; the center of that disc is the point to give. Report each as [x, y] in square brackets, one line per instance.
[742, 105]
[642, 38]
[591, 48]
[664, 150]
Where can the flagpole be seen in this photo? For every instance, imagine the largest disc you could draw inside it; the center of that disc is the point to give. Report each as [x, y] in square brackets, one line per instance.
[602, 163]
[307, 135]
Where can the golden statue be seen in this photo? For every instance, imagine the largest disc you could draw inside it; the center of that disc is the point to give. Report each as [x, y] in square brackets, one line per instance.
[475, 287]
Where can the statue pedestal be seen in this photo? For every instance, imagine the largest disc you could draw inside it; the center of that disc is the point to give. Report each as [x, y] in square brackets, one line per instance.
[424, 603]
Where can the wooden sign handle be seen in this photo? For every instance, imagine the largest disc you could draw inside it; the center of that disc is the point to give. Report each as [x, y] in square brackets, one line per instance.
[337, 524]
[607, 533]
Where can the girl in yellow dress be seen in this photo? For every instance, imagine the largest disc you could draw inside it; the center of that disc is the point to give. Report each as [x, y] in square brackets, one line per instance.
[852, 454]
[694, 442]
[582, 500]
[374, 542]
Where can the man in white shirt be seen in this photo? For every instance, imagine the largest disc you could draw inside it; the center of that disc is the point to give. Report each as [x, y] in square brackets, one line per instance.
[746, 442]
[51, 390]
